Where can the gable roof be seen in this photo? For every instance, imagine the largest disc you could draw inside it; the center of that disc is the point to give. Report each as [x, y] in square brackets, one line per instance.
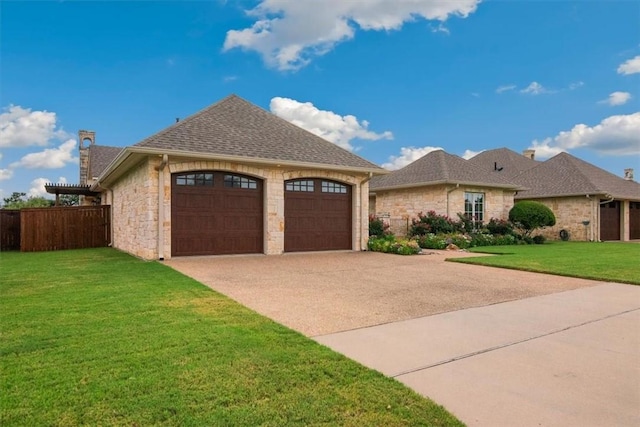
[504, 161]
[566, 175]
[100, 156]
[439, 167]
[236, 128]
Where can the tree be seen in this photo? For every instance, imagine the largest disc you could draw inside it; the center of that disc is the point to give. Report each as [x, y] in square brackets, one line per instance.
[20, 200]
[529, 216]
[69, 200]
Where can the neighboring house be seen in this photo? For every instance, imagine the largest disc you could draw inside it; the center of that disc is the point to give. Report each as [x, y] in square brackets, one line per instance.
[588, 202]
[231, 179]
[444, 183]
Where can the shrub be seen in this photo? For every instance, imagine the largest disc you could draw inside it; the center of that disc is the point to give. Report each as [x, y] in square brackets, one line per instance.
[377, 227]
[508, 239]
[432, 223]
[432, 241]
[529, 216]
[482, 239]
[539, 239]
[499, 227]
[389, 244]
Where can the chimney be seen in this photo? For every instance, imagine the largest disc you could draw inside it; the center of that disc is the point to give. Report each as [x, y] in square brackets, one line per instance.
[529, 154]
[628, 174]
[90, 136]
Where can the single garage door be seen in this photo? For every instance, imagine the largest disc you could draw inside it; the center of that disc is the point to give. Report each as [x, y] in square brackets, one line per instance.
[216, 213]
[317, 215]
[610, 221]
[634, 220]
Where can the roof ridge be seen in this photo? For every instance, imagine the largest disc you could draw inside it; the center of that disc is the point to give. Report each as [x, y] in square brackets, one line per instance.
[572, 159]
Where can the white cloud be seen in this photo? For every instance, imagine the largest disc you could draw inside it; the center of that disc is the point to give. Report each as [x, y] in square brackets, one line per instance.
[5, 174]
[535, 88]
[631, 66]
[289, 33]
[50, 158]
[331, 126]
[37, 188]
[617, 98]
[21, 127]
[575, 85]
[470, 153]
[408, 155]
[615, 136]
[505, 88]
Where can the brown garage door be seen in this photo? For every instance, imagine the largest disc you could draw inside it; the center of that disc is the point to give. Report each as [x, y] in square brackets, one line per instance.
[215, 213]
[634, 220]
[317, 215]
[610, 221]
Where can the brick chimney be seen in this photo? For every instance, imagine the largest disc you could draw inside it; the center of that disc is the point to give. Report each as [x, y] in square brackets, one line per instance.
[90, 136]
[529, 154]
[628, 174]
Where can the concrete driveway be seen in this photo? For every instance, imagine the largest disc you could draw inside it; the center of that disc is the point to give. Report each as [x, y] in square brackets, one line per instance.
[495, 347]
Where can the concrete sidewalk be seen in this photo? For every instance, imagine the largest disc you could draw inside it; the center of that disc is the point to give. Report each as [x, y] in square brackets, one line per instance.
[565, 359]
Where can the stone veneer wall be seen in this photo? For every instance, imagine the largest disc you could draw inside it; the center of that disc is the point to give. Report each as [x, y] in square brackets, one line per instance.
[135, 203]
[403, 205]
[133, 199]
[570, 212]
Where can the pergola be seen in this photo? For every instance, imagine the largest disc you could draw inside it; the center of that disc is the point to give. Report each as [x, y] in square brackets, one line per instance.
[72, 189]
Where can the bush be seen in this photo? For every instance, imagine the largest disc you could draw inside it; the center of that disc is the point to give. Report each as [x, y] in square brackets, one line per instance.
[432, 241]
[377, 227]
[539, 239]
[529, 216]
[482, 239]
[432, 223]
[499, 227]
[389, 244]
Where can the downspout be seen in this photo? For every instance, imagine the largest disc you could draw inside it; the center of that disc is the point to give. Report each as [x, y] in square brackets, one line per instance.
[449, 191]
[112, 214]
[160, 169]
[364, 214]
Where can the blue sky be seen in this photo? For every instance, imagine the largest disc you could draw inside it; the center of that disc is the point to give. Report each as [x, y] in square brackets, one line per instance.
[388, 79]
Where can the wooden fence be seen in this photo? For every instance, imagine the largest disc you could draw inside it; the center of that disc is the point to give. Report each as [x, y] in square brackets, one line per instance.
[58, 228]
[9, 230]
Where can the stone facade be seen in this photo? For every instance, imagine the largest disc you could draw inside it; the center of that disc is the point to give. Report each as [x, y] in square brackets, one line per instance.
[135, 200]
[570, 213]
[399, 207]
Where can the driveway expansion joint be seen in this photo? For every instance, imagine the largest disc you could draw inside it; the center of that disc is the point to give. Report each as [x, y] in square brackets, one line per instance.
[510, 344]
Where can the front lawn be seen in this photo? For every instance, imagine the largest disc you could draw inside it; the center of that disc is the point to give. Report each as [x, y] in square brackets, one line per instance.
[613, 262]
[97, 337]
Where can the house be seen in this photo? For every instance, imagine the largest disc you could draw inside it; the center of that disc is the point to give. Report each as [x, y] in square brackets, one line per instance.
[589, 203]
[231, 179]
[444, 183]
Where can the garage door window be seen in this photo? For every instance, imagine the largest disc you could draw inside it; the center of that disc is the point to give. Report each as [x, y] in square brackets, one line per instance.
[235, 181]
[305, 185]
[195, 179]
[333, 187]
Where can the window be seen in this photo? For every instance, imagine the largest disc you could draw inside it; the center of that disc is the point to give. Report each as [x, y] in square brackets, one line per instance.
[474, 208]
[333, 187]
[235, 181]
[195, 179]
[300, 185]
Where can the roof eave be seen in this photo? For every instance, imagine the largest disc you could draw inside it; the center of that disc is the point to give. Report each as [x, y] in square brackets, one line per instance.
[111, 172]
[450, 182]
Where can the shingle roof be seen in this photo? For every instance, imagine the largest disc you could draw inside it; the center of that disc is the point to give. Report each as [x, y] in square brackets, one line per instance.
[503, 161]
[566, 175]
[236, 127]
[439, 167]
[99, 158]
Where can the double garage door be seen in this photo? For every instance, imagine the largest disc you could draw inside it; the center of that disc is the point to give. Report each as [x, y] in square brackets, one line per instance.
[217, 213]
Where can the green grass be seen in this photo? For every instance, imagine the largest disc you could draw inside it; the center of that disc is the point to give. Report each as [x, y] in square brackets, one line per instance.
[612, 262]
[96, 337]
